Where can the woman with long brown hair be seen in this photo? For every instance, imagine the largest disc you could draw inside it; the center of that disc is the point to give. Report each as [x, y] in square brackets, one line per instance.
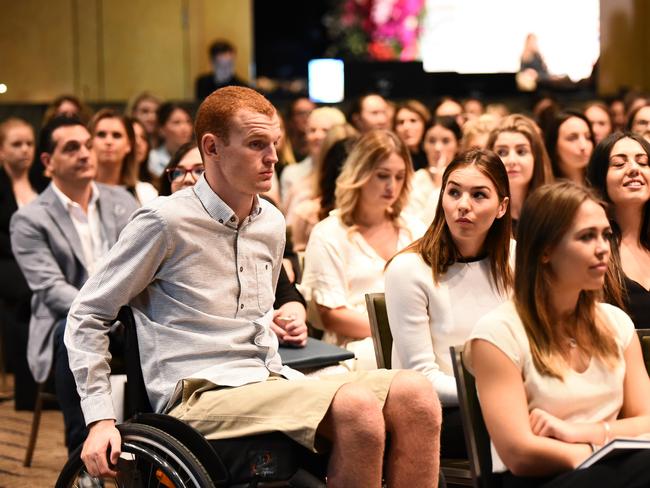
[558, 372]
[517, 140]
[114, 146]
[619, 169]
[439, 286]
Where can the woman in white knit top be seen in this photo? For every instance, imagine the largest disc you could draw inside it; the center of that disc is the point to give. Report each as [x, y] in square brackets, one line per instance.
[558, 372]
[438, 288]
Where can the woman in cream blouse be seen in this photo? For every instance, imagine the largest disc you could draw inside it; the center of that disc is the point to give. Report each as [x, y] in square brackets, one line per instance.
[558, 372]
[347, 251]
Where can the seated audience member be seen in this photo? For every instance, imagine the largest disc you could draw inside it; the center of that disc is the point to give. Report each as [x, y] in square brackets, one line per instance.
[114, 147]
[441, 142]
[617, 109]
[518, 142]
[498, 110]
[569, 142]
[144, 108]
[600, 119]
[638, 120]
[219, 239]
[68, 106]
[476, 132]
[347, 252]
[285, 157]
[295, 178]
[58, 240]
[369, 112]
[222, 58]
[411, 118]
[183, 171]
[297, 116]
[558, 372]
[619, 170]
[439, 286]
[142, 148]
[175, 128]
[64, 105]
[336, 148]
[473, 108]
[544, 110]
[450, 107]
[16, 190]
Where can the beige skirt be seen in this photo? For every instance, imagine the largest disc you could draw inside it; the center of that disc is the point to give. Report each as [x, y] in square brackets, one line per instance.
[294, 407]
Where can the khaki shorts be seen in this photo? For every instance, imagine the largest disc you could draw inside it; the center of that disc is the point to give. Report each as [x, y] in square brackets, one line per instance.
[294, 407]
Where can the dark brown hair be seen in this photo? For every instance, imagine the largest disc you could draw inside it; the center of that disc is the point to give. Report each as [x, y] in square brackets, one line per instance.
[437, 246]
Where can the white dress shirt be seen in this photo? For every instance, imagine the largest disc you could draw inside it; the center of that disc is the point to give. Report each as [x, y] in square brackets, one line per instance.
[88, 225]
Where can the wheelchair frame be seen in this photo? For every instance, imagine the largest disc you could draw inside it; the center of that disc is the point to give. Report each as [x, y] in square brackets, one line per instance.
[155, 455]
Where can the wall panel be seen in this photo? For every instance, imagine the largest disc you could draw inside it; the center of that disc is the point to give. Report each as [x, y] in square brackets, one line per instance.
[36, 49]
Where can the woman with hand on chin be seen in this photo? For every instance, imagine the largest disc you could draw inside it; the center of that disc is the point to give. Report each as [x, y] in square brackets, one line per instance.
[619, 171]
[347, 251]
[558, 372]
[518, 142]
[439, 286]
[441, 141]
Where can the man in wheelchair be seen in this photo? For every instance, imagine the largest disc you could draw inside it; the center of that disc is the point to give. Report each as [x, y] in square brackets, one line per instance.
[199, 269]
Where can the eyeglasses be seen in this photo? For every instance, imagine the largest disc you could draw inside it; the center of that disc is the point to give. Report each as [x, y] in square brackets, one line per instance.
[179, 172]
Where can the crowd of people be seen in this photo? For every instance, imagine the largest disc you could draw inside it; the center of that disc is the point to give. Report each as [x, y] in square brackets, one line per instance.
[524, 236]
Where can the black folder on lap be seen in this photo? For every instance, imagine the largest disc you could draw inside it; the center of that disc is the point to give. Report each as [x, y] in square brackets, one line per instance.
[315, 354]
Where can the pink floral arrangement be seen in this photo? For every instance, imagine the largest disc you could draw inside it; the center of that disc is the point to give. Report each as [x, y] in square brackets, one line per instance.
[380, 29]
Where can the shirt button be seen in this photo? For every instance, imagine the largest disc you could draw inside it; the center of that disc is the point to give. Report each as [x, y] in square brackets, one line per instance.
[232, 219]
[221, 221]
[266, 266]
[241, 268]
[241, 306]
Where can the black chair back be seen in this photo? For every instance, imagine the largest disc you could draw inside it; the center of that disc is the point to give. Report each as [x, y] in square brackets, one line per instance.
[382, 337]
[477, 439]
[136, 399]
[644, 339]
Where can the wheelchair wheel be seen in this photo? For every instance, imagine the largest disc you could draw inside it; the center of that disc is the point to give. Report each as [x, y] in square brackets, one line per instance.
[150, 458]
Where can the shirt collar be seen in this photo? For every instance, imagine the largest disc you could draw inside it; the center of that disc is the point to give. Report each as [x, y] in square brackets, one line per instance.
[217, 208]
[67, 202]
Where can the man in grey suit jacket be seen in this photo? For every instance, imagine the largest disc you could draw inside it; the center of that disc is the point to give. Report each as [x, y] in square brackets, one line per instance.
[58, 240]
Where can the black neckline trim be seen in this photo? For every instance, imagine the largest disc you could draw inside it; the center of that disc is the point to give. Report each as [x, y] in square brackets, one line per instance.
[473, 259]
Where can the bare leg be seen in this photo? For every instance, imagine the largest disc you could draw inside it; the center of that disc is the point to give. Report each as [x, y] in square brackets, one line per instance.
[355, 425]
[413, 418]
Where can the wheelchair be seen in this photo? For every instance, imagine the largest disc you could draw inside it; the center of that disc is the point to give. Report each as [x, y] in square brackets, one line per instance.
[161, 451]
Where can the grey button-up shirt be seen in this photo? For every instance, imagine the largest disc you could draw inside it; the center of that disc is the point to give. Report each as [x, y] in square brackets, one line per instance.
[201, 285]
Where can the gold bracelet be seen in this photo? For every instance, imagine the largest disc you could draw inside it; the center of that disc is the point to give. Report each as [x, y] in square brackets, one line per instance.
[608, 432]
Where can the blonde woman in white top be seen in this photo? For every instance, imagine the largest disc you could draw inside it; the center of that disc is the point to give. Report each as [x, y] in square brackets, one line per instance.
[347, 252]
[438, 287]
[559, 373]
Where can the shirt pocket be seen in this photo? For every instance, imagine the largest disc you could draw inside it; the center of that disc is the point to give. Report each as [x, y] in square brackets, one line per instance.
[265, 293]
